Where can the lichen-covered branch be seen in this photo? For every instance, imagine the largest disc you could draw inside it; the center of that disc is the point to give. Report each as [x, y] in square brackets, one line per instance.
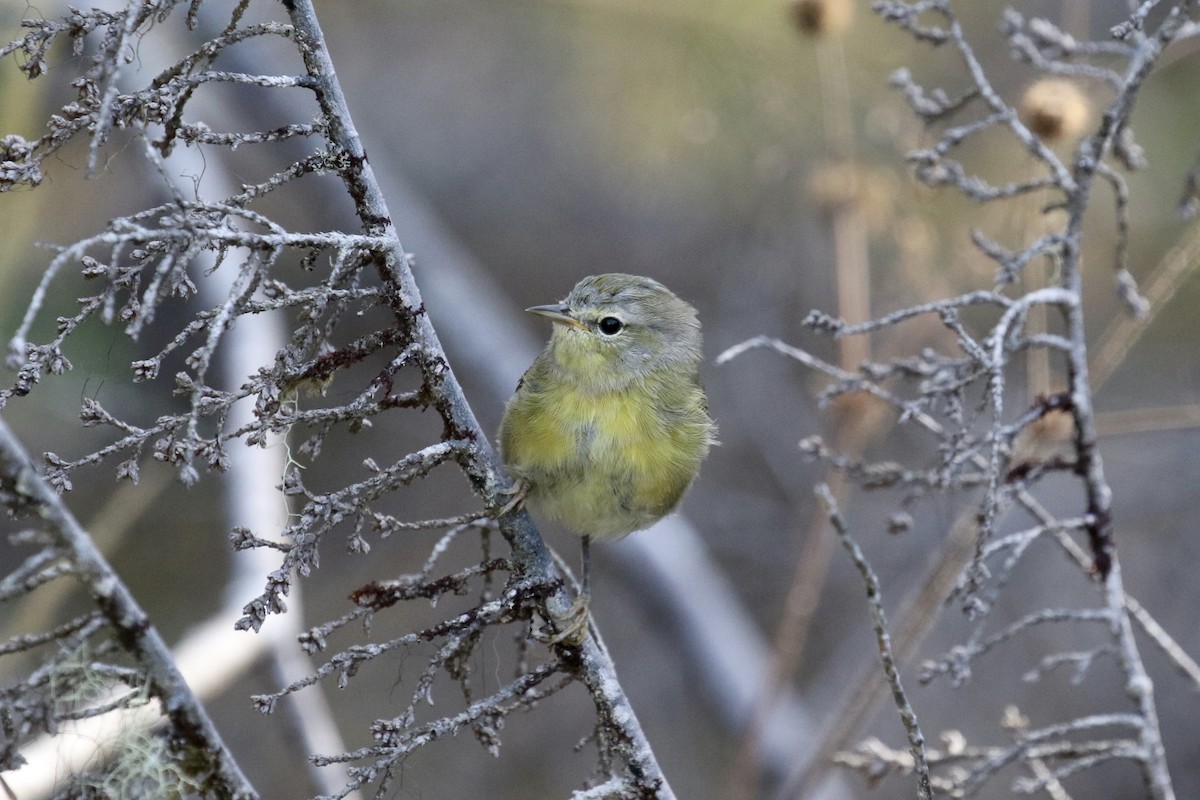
[963, 395]
[194, 740]
[358, 325]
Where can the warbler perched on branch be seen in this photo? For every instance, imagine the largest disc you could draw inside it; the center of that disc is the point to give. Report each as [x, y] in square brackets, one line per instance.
[609, 426]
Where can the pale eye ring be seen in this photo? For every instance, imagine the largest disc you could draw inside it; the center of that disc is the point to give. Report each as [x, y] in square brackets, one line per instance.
[610, 326]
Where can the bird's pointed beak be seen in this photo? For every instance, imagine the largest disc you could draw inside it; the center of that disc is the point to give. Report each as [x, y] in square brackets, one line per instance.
[558, 313]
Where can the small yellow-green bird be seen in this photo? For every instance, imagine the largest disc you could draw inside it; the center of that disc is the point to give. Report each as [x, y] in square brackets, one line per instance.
[609, 425]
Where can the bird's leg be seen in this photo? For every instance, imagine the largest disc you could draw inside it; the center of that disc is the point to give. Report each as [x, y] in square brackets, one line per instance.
[573, 624]
[585, 553]
[516, 494]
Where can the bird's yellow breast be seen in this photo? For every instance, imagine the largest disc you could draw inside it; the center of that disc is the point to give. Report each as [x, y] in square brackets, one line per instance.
[606, 463]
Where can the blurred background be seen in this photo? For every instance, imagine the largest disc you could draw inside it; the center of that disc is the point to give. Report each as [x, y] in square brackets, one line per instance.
[752, 159]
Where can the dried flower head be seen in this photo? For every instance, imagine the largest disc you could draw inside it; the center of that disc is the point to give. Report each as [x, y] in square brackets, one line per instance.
[1055, 109]
[846, 184]
[860, 419]
[819, 18]
[1046, 443]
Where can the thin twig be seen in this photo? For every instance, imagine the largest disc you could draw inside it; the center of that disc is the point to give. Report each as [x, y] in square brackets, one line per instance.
[916, 739]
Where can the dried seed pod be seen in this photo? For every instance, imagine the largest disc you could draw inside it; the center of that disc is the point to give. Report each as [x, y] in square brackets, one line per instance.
[1055, 109]
[844, 184]
[820, 18]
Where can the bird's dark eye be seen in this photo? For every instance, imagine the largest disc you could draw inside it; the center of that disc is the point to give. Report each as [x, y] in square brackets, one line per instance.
[610, 326]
